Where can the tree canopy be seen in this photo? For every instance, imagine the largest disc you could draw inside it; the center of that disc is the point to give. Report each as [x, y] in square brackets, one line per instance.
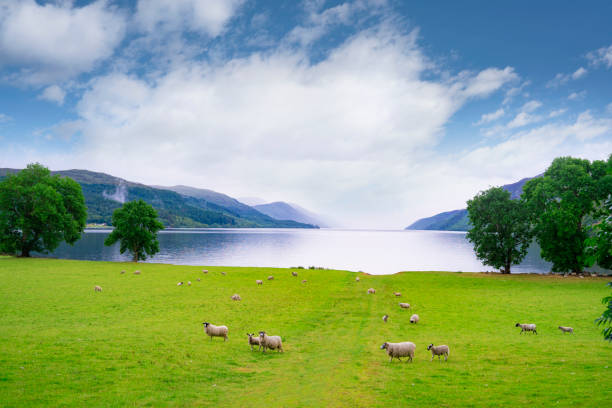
[136, 226]
[38, 211]
[562, 205]
[501, 231]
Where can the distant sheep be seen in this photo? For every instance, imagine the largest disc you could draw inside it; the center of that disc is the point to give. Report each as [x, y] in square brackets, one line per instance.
[385, 318]
[215, 331]
[189, 283]
[98, 288]
[398, 350]
[270, 342]
[122, 272]
[414, 318]
[304, 281]
[259, 282]
[236, 297]
[204, 271]
[397, 294]
[527, 327]
[371, 290]
[404, 305]
[294, 273]
[566, 329]
[198, 279]
[357, 279]
[254, 341]
[179, 284]
[223, 273]
[270, 277]
[136, 272]
[442, 350]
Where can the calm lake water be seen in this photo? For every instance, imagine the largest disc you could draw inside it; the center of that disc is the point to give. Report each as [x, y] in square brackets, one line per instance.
[372, 251]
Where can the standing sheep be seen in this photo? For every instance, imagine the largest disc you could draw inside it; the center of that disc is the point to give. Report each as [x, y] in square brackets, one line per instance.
[385, 318]
[371, 291]
[294, 273]
[198, 279]
[259, 282]
[442, 350]
[304, 281]
[236, 297]
[270, 342]
[404, 305]
[136, 272]
[527, 327]
[254, 341]
[204, 271]
[357, 279]
[397, 350]
[97, 288]
[179, 284]
[414, 318]
[215, 331]
[566, 329]
[122, 272]
[397, 294]
[223, 273]
[189, 283]
[270, 277]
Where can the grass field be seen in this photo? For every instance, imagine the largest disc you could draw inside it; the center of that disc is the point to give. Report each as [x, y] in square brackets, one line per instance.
[141, 343]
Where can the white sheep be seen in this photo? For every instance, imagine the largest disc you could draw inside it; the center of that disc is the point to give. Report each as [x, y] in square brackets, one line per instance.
[385, 317]
[304, 281]
[97, 288]
[215, 331]
[294, 273]
[199, 280]
[357, 279]
[223, 273]
[371, 290]
[442, 350]
[270, 277]
[398, 350]
[270, 342]
[179, 284]
[254, 341]
[414, 318]
[397, 294]
[136, 272]
[259, 282]
[404, 305]
[122, 272]
[236, 297]
[189, 283]
[566, 329]
[527, 327]
[204, 271]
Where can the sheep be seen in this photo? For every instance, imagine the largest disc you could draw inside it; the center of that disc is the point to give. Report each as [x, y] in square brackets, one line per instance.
[304, 281]
[371, 290]
[294, 273]
[236, 297]
[199, 280]
[385, 317]
[97, 288]
[270, 342]
[179, 284]
[566, 329]
[259, 282]
[442, 350]
[223, 273]
[414, 318]
[254, 341]
[357, 279]
[404, 305]
[204, 271]
[397, 294]
[527, 327]
[189, 283]
[122, 272]
[136, 272]
[270, 277]
[215, 331]
[398, 350]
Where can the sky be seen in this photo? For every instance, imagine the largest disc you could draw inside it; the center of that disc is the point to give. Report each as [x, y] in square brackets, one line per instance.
[372, 112]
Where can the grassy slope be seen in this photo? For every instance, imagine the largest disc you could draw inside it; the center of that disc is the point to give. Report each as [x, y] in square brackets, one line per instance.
[140, 342]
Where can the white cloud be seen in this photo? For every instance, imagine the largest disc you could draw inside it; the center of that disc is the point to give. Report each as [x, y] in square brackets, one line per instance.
[531, 106]
[557, 112]
[609, 108]
[490, 117]
[579, 73]
[524, 117]
[5, 118]
[562, 79]
[53, 93]
[57, 41]
[209, 17]
[575, 96]
[602, 56]
[487, 81]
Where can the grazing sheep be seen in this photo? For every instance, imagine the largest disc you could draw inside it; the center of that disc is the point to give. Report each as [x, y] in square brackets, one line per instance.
[371, 290]
[439, 351]
[304, 281]
[97, 288]
[254, 341]
[270, 277]
[223, 273]
[294, 273]
[527, 327]
[236, 297]
[385, 317]
[199, 279]
[136, 272]
[270, 342]
[215, 331]
[566, 329]
[122, 272]
[179, 284]
[414, 318]
[397, 294]
[357, 279]
[189, 283]
[404, 305]
[204, 271]
[259, 282]
[398, 350]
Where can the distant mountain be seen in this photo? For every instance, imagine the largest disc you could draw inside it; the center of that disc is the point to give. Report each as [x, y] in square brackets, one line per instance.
[190, 208]
[284, 211]
[252, 200]
[458, 220]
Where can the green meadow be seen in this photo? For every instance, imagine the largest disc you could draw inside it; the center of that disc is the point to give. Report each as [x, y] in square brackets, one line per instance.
[140, 342]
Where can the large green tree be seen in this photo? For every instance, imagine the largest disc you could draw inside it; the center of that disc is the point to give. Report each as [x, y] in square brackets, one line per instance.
[500, 231]
[136, 226]
[599, 244]
[38, 211]
[563, 203]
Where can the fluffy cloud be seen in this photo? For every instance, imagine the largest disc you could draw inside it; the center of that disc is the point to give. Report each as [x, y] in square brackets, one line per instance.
[524, 117]
[53, 93]
[54, 42]
[208, 17]
[602, 56]
[4, 118]
[575, 96]
[490, 117]
[562, 79]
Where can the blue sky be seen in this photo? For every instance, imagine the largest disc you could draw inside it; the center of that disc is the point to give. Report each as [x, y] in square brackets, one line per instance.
[376, 112]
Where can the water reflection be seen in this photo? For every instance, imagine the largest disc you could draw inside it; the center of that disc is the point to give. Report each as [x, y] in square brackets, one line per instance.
[376, 252]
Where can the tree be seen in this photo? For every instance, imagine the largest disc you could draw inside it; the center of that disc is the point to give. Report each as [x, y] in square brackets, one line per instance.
[38, 211]
[561, 204]
[136, 228]
[606, 317]
[500, 232]
[599, 244]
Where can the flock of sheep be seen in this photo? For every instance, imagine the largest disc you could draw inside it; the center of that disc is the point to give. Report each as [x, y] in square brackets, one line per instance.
[394, 350]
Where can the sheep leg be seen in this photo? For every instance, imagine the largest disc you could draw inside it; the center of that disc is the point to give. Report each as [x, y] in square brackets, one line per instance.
[446, 357]
[225, 338]
[432, 356]
[535, 331]
[391, 359]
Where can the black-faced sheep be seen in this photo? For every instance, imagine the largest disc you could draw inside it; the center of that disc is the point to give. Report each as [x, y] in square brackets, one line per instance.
[215, 331]
[270, 342]
[398, 350]
[439, 351]
[527, 327]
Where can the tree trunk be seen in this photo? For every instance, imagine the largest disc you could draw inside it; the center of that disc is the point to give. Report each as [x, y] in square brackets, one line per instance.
[135, 256]
[25, 252]
[507, 267]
